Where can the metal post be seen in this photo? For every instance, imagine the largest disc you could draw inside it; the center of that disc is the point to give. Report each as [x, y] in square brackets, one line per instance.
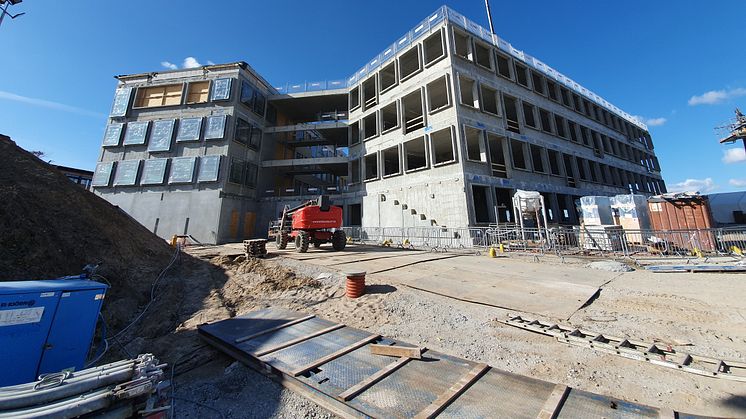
[489, 16]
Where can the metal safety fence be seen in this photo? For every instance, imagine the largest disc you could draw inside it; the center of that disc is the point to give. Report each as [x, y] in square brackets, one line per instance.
[562, 240]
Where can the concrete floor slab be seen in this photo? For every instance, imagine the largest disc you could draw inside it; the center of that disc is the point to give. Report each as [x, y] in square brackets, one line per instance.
[516, 284]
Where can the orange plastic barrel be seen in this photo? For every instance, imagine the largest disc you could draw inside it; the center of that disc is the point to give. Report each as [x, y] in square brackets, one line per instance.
[355, 285]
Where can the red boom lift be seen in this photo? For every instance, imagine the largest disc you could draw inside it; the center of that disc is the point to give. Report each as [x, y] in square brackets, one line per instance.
[314, 222]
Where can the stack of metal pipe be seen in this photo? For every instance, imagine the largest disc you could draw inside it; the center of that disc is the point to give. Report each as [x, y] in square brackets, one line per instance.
[118, 389]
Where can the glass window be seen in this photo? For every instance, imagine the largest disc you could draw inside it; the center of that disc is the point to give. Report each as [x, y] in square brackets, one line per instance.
[243, 131]
[221, 89]
[251, 174]
[153, 171]
[247, 94]
[236, 173]
[136, 132]
[161, 134]
[260, 102]
[256, 138]
[215, 127]
[113, 135]
[189, 129]
[209, 166]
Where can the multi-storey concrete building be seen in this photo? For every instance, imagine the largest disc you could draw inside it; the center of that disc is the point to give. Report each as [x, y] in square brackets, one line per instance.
[438, 130]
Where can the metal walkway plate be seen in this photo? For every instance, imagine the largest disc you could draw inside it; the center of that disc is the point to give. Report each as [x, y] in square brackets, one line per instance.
[695, 268]
[283, 344]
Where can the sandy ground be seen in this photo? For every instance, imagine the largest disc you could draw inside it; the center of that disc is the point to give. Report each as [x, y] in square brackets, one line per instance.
[698, 313]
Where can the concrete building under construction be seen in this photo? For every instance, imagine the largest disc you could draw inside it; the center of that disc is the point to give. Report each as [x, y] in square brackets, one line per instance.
[437, 130]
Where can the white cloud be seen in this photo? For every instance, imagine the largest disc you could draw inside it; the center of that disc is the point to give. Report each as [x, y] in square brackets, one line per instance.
[713, 97]
[48, 104]
[191, 62]
[653, 122]
[656, 122]
[694, 185]
[740, 183]
[734, 155]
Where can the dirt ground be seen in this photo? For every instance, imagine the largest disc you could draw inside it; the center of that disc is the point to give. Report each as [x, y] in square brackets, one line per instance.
[698, 313]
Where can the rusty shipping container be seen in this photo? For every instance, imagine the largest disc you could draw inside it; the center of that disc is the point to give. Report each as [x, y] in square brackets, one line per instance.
[685, 216]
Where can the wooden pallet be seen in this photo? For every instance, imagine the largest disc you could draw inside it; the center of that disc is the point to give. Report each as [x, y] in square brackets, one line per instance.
[654, 353]
[333, 365]
[256, 248]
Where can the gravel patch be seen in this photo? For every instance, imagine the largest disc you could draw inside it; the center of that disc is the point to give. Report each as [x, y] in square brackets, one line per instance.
[609, 266]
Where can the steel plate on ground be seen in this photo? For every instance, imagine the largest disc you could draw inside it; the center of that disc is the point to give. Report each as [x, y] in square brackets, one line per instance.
[344, 372]
[500, 394]
[303, 353]
[411, 388]
[581, 405]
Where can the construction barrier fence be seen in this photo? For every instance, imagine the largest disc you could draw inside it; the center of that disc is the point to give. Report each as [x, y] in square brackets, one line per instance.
[563, 240]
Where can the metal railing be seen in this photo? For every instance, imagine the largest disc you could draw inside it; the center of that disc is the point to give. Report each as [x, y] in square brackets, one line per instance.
[590, 240]
[425, 27]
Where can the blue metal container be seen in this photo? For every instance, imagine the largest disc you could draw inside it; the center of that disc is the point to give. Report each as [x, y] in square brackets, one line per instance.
[46, 326]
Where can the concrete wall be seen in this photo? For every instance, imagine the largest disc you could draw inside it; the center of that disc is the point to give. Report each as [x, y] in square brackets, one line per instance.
[171, 210]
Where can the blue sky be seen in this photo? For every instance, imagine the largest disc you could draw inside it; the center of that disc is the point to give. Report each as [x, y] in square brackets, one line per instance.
[679, 65]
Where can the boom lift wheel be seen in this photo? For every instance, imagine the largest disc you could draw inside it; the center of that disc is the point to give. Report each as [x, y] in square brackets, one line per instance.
[339, 240]
[301, 242]
[282, 240]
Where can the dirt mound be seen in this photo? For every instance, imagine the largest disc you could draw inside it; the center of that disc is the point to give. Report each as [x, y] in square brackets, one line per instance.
[273, 278]
[50, 227]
